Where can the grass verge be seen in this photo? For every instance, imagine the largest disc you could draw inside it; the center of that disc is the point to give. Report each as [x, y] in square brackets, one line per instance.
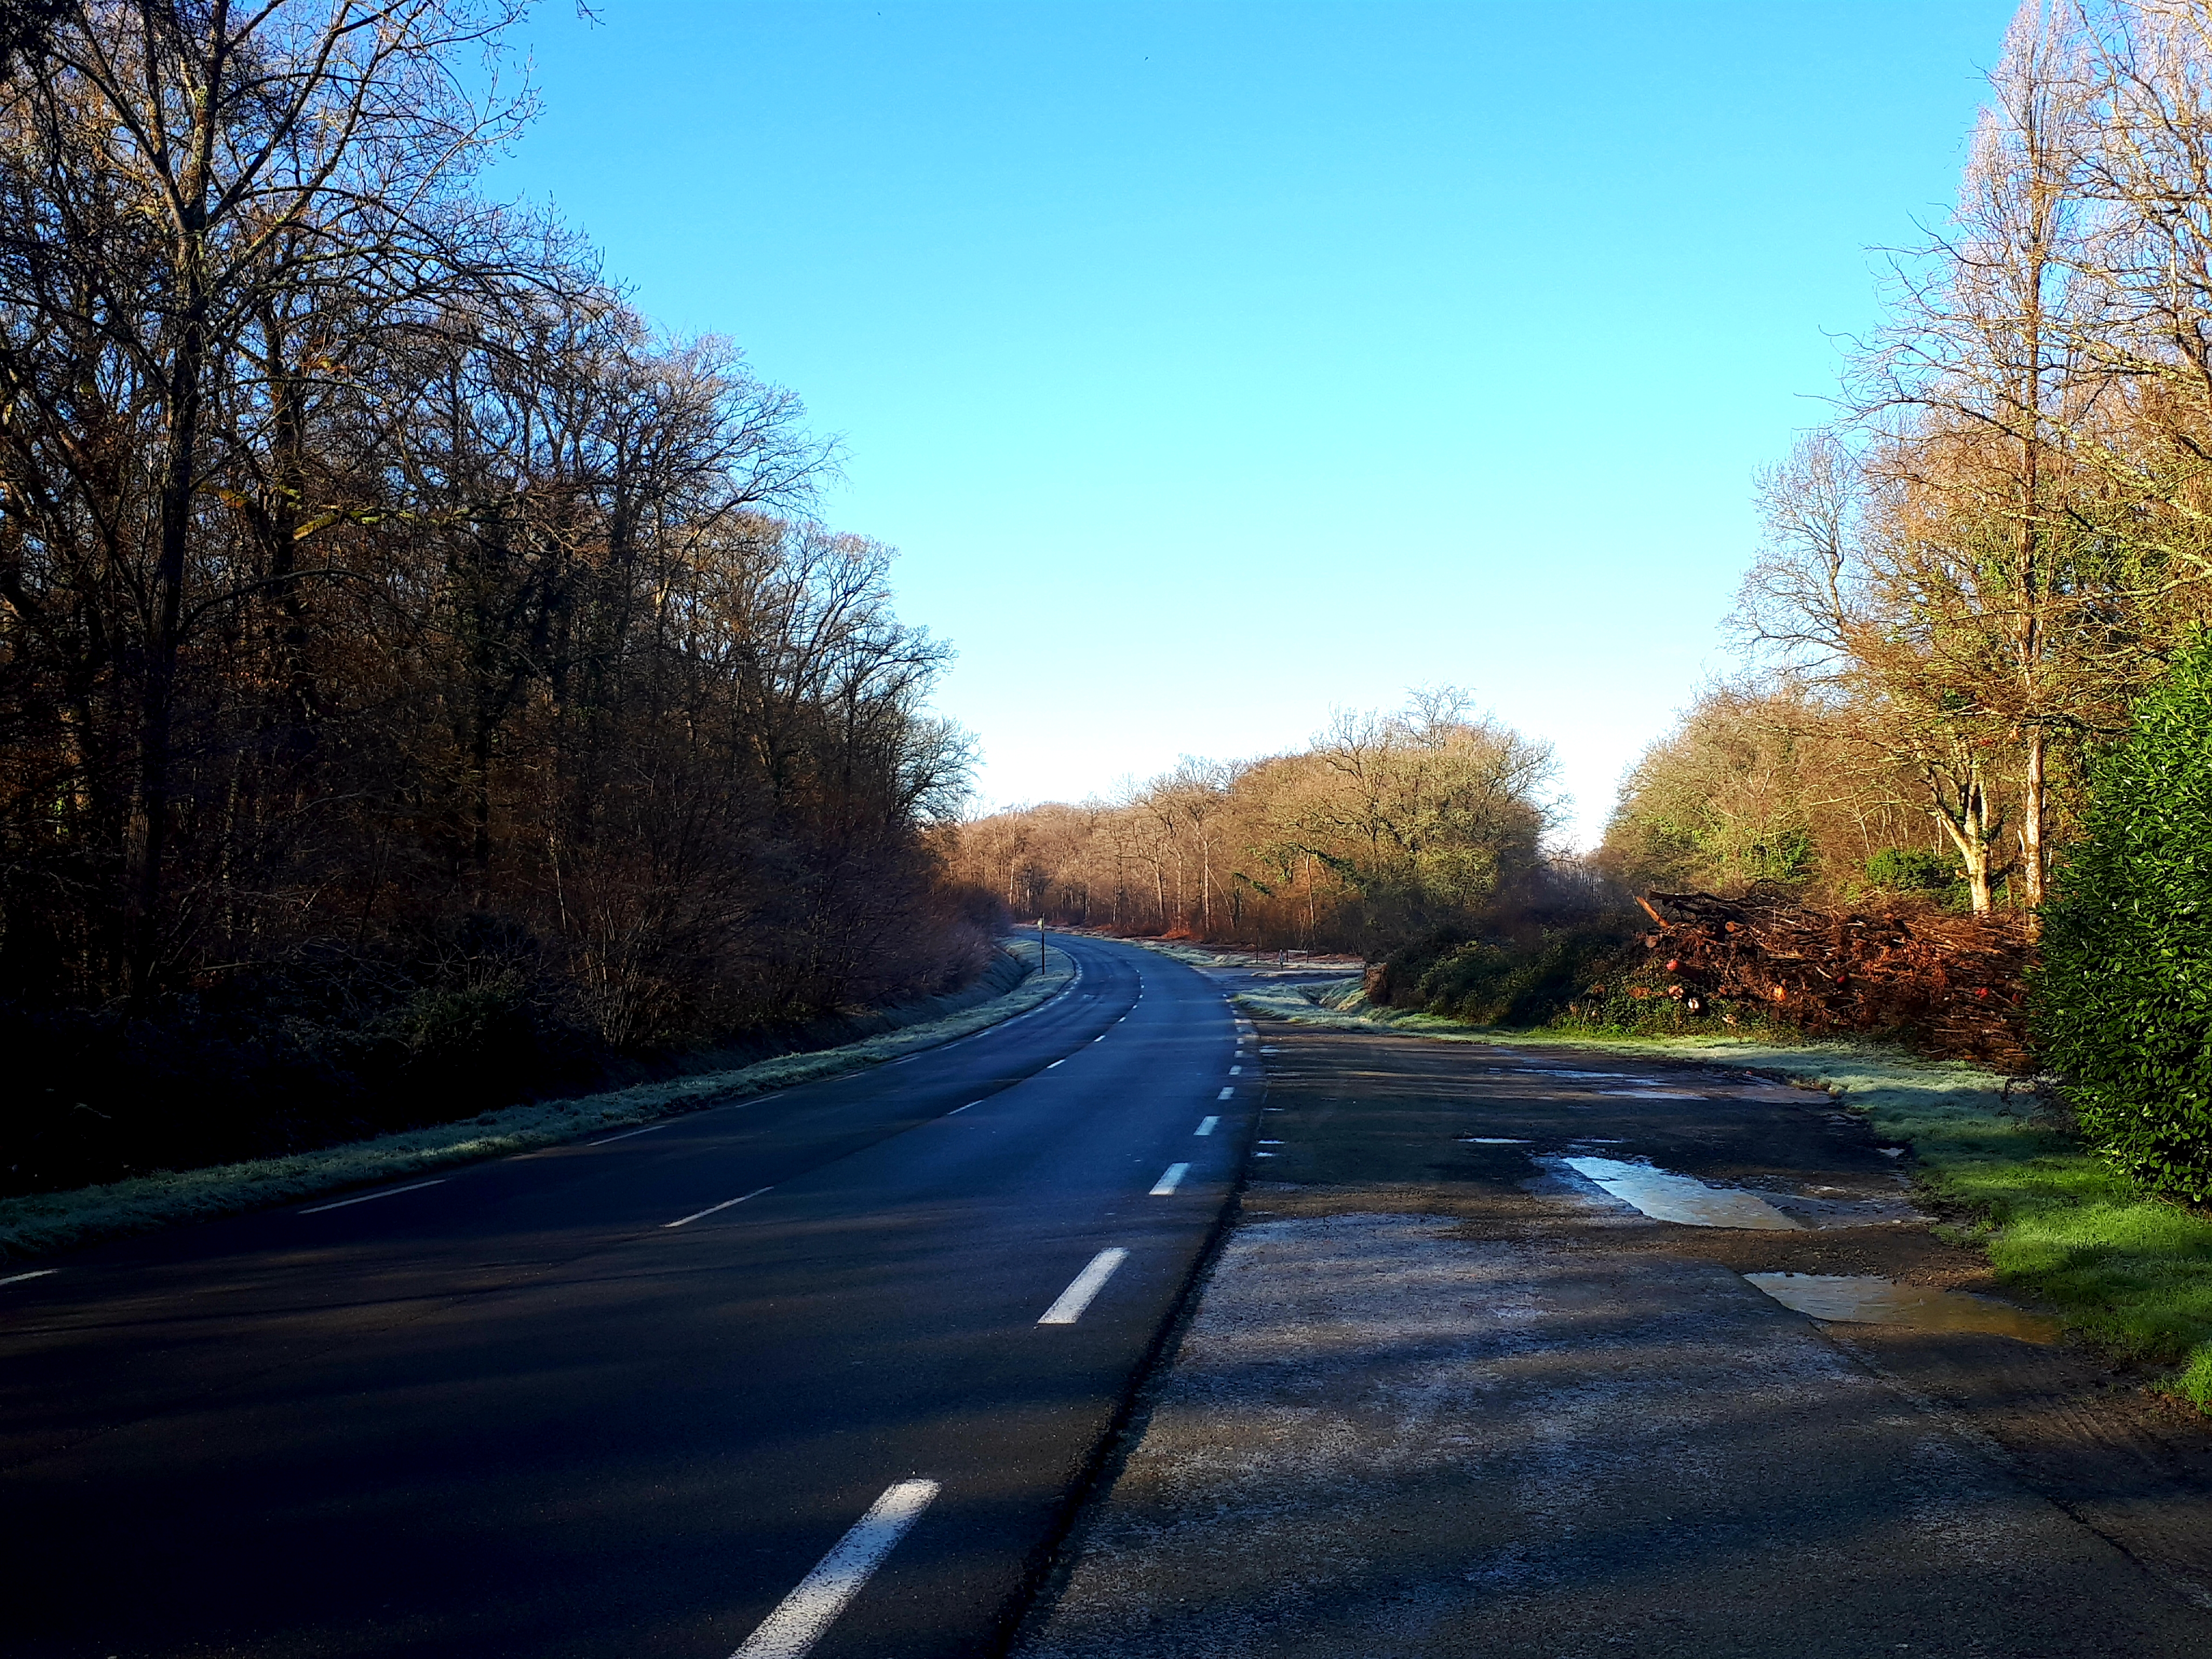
[2131, 1276]
[1204, 956]
[37, 1223]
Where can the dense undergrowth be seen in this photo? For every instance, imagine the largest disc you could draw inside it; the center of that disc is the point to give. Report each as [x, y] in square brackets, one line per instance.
[2130, 1273]
[326, 1048]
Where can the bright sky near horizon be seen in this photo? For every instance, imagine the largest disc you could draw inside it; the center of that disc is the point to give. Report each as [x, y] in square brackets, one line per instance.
[1213, 365]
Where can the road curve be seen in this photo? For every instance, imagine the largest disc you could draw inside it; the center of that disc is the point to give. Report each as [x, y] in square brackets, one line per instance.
[814, 1372]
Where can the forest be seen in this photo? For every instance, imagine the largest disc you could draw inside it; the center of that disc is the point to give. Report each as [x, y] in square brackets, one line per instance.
[424, 682]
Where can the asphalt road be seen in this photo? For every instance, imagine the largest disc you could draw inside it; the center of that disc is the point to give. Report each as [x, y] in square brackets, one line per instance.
[578, 1402]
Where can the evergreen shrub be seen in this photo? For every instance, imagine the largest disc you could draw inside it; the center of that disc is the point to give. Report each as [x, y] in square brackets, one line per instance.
[2124, 995]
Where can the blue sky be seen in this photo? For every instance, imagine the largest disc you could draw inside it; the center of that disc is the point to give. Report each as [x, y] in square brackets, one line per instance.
[1213, 365]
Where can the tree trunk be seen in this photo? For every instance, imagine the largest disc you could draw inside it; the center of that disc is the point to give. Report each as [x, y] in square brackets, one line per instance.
[158, 688]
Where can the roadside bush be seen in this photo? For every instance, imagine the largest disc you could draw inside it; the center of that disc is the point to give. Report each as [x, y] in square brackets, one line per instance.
[2123, 1001]
[1902, 870]
[1501, 981]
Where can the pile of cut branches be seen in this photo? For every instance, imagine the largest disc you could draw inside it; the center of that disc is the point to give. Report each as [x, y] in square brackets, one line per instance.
[1951, 985]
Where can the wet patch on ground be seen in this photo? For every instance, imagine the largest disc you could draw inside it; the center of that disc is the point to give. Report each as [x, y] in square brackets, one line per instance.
[1680, 1199]
[1864, 1299]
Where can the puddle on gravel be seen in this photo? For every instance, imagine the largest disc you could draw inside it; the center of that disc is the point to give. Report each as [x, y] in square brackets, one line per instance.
[1881, 1301]
[1665, 1196]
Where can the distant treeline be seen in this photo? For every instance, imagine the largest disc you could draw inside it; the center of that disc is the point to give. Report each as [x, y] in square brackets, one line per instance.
[421, 682]
[1385, 826]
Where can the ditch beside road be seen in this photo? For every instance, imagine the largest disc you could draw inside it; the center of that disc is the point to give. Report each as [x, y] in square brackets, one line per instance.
[1443, 1393]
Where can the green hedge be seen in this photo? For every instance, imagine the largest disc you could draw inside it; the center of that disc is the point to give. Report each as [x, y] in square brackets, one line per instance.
[2123, 996]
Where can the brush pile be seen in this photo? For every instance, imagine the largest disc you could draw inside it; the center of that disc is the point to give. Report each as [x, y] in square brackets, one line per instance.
[1951, 985]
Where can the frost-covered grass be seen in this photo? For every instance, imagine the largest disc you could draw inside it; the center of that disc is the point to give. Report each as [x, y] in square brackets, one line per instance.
[1200, 956]
[39, 1223]
[2131, 1273]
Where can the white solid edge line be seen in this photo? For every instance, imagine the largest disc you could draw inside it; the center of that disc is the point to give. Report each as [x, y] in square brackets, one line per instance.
[1227, 1094]
[802, 1616]
[1206, 1125]
[389, 1192]
[1069, 1306]
[712, 1208]
[17, 1279]
[1168, 1182]
[627, 1134]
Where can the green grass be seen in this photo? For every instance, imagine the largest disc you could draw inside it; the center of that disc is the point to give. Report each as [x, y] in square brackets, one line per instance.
[39, 1223]
[2130, 1275]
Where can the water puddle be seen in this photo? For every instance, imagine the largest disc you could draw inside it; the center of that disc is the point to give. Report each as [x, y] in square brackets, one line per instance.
[1665, 1196]
[1881, 1301]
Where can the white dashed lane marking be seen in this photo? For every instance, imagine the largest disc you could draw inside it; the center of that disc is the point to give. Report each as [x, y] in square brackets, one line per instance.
[713, 1208]
[801, 1618]
[394, 1192]
[1168, 1182]
[1087, 1284]
[627, 1134]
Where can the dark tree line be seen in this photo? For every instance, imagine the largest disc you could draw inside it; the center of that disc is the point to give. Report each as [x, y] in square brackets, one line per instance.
[417, 675]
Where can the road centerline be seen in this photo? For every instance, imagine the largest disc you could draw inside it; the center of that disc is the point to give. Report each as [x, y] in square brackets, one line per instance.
[1205, 1125]
[1168, 1182]
[1068, 1306]
[802, 1616]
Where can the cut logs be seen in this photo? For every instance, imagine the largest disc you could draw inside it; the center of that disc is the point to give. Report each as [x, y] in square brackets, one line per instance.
[1951, 985]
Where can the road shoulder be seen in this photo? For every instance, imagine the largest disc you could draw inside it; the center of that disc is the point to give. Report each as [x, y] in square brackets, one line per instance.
[1432, 1402]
